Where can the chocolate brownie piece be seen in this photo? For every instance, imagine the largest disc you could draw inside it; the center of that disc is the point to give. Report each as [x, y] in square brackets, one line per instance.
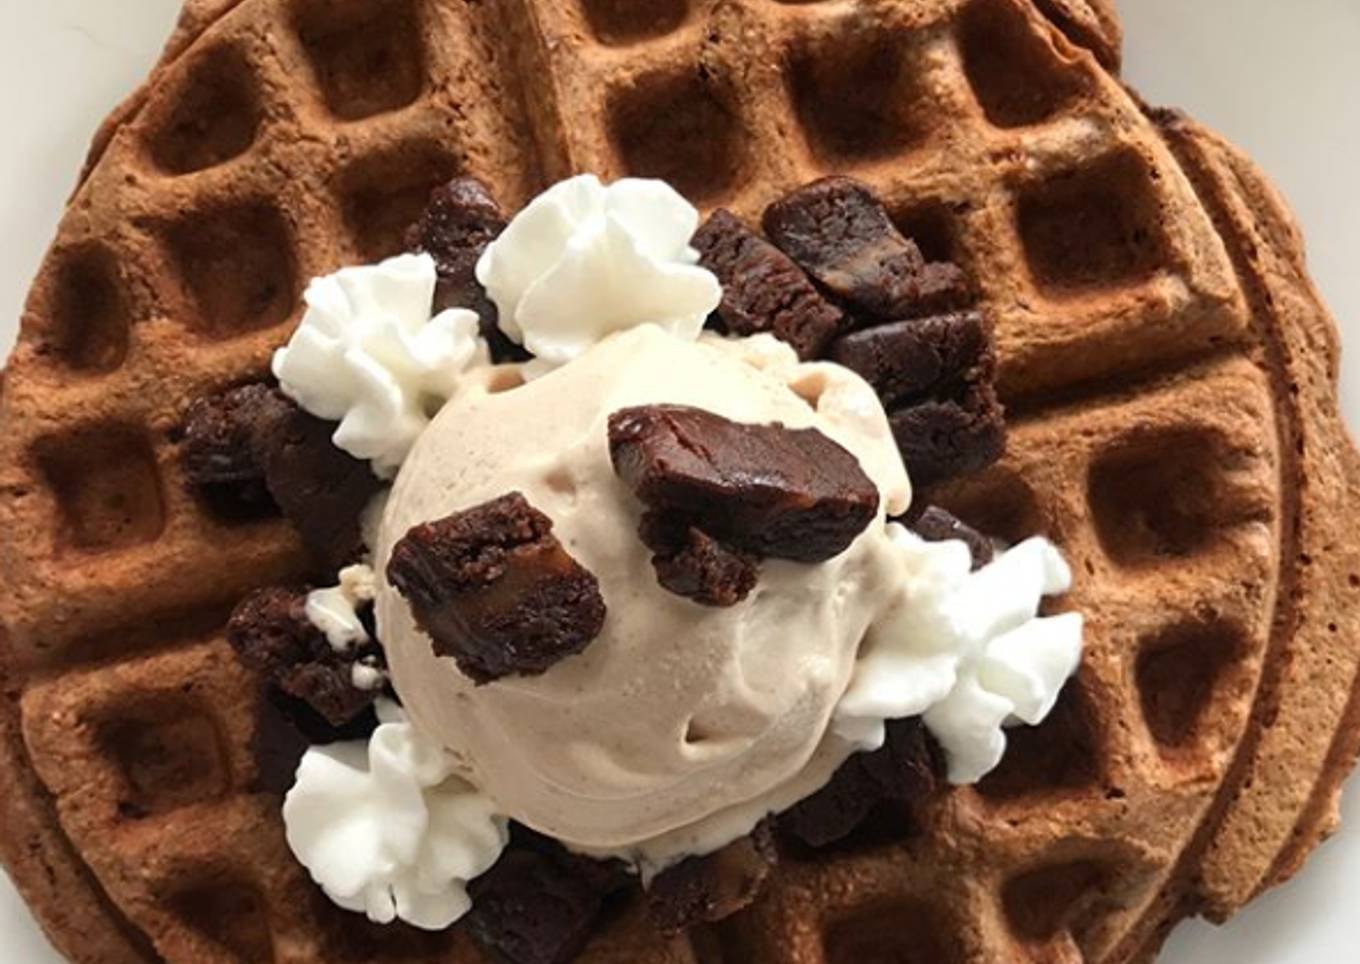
[218, 456]
[218, 447]
[539, 904]
[285, 727]
[691, 563]
[839, 232]
[322, 489]
[529, 912]
[945, 439]
[928, 357]
[763, 290]
[937, 525]
[272, 635]
[496, 591]
[255, 443]
[763, 489]
[461, 221]
[936, 377]
[706, 889]
[906, 770]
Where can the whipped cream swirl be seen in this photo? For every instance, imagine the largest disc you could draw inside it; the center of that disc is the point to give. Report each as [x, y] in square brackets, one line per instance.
[584, 260]
[386, 828]
[368, 355]
[967, 651]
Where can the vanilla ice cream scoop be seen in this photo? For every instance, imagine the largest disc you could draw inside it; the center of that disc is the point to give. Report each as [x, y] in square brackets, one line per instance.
[680, 725]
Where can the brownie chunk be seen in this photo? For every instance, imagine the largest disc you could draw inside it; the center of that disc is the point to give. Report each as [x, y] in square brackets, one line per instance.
[530, 912]
[258, 443]
[219, 446]
[762, 489]
[942, 440]
[706, 889]
[272, 635]
[905, 770]
[937, 525]
[929, 357]
[764, 291]
[461, 221]
[839, 232]
[322, 489]
[691, 563]
[540, 904]
[496, 591]
[936, 377]
[218, 454]
[285, 727]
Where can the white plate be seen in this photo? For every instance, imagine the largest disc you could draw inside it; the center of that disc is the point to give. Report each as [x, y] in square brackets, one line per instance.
[1281, 79]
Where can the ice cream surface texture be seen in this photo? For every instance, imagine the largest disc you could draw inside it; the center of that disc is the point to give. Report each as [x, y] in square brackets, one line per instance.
[677, 712]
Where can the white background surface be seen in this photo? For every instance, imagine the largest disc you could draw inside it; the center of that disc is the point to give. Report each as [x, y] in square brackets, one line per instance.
[1280, 78]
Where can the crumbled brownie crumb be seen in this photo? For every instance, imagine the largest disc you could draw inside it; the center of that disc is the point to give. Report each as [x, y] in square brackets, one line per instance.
[763, 489]
[930, 357]
[839, 232]
[707, 889]
[496, 591]
[256, 439]
[764, 291]
[461, 221]
[906, 770]
[942, 440]
[272, 635]
[539, 904]
[937, 525]
[691, 563]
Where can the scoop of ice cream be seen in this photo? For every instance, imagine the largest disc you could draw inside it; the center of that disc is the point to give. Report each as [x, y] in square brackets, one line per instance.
[680, 725]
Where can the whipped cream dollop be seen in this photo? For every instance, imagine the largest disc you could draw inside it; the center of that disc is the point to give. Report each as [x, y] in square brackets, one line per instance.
[369, 355]
[965, 650]
[335, 611]
[388, 829]
[583, 260]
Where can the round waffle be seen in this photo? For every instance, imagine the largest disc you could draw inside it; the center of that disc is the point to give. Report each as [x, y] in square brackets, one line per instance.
[1168, 369]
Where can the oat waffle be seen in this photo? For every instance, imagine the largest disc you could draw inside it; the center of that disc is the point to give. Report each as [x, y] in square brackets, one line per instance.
[1169, 371]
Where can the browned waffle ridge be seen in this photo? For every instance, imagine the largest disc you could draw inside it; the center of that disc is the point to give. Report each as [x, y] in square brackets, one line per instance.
[1169, 367]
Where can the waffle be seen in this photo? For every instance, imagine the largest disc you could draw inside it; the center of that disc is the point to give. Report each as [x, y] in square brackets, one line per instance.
[1168, 367]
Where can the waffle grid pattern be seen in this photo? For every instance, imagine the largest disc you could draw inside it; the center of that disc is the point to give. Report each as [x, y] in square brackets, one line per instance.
[292, 137]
